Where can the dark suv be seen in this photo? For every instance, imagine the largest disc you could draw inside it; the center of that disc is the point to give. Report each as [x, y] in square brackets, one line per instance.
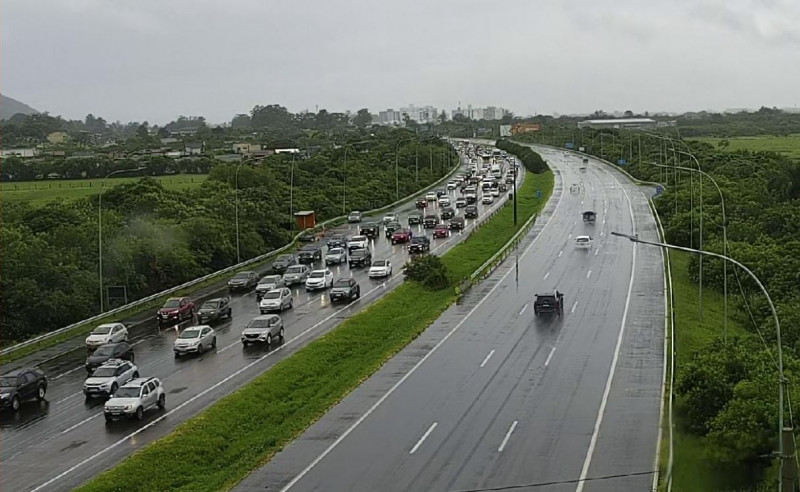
[120, 350]
[551, 302]
[419, 244]
[283, 262]
[390, 228]
[20, 385]
[448, 213]
[214, 310]
[430, 221]
[457, 224]
[371, 230]
[309, 253]
[360, 257]
[471, 212]
[345, 289]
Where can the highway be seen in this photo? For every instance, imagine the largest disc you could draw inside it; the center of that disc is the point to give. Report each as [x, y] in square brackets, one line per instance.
[492, 397]
[63, 441]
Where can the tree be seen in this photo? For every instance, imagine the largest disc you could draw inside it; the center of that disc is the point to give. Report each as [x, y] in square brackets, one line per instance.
[628, 114]
[363, 118]
[460, 118]
[442, 117]
[240, 121]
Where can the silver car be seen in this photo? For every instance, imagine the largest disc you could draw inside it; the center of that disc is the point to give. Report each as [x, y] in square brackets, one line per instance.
[276, 300]
[335, 256]
[264, 329]
[295, 274]
[195, 339]
[268, 283]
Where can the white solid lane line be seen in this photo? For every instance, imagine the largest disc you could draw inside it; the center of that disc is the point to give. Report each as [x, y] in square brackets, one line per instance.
[546, 275]
[571, 311]
[422, 439]
[508, 436]
[560, 253]
[588, 274]
[65, 373]
[596, 251]
[549, 356]
[523, 309]
[487, 358]
[80, 423]
[73, 395]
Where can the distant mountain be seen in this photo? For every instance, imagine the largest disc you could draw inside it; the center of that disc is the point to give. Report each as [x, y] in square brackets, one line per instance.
[10, 106]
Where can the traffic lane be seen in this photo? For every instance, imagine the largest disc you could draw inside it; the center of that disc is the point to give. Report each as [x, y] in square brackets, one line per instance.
[194, 375]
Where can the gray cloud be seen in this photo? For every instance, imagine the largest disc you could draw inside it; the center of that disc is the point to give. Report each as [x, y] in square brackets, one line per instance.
[153, 60]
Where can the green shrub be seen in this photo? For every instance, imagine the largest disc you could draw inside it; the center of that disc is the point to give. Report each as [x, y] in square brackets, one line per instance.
[429, 270]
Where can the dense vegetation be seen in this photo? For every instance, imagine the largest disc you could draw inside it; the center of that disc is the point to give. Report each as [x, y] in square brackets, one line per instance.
[154, 238]
[727, 389]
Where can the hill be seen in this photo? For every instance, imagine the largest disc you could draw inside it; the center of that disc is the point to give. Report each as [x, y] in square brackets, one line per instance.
[10, 106]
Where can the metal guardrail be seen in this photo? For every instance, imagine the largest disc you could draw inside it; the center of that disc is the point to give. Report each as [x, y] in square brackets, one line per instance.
[489, 265]
[191, 283]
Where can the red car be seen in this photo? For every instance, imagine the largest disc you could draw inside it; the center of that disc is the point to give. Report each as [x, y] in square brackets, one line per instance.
[175, 310]
[440, 231]
[402, 236]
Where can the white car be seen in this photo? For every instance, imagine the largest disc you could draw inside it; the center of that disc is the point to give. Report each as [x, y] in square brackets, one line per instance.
[390, 217]
[487, 199]
[451, 185]
[107, 333]
[495, 192]
[431, 196]
[380, 268]
[276, 300]
[195, 339]
[357, 242]
[105, 380]
[336, 256]
[583, 242]
[444, 201]
[134, 398]
[319, 279]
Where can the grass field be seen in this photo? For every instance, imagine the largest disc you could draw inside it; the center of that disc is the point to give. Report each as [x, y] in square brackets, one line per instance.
[39, 192]
[789, 146]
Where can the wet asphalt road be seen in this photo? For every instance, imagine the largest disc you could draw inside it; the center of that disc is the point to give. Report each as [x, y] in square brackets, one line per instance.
[492, 396]
[59, 443]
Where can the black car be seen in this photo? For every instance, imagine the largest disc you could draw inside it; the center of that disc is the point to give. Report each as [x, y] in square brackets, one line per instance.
[337, 241]
[21, 385]
[371, 230]
[503, 188]
[119, 350]
[441, 192]
[283, 262]
[309, 254]
[360, 258]
[430, 221]
[243, 281]
[414, 218]
[510, 179]
[422, 202]
[214, 310]
[457, 224]
[345, 289]
[419, 244]
[448, 213]
[307, 236]
[471, 212]
[391, 227]
[472, 199]
[551, 302]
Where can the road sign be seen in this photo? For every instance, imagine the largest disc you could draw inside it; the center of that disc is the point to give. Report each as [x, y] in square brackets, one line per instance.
[570, 145]
[659, 190]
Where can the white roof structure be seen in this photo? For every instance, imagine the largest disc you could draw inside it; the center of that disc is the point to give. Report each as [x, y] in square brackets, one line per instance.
[618, 123]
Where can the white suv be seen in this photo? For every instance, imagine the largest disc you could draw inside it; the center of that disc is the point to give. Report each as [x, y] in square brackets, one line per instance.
[107, 333]
[107, 378]
[134, 398]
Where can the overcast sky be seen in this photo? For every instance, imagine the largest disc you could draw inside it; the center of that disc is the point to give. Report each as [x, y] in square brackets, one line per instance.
[156, 59]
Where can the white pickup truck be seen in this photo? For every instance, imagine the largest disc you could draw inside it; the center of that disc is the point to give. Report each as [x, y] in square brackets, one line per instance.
[358, 242]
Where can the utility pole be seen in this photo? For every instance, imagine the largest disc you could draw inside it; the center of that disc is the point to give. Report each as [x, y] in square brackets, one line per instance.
[789, 482]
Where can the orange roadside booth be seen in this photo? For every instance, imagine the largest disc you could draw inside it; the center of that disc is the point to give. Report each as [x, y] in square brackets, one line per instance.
[305, 219]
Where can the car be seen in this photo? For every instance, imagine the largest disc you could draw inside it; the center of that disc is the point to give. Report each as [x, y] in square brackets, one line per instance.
[175, 310]
[448, 213]
[457, 224]
[380, 268]
[461, 202]
[263, 329]
[359, 257]
[451, 185]
[354, 216]
[195, 339]
[441, 231]
[267, 283]
[309, 254]
[495, 192]
[307, 236]
[574, 188]
[134, 398]
[440, 192]
[430, 221]
[509, 179]
[283, 262]
[390, 217]
[243, 281]
[582, 169]
[335, 256]
[503, 188]
[550, 302]
[296, 274]
[421, 202]
[444, 201]
[336, 241]
[391, 227]
[370, 230]
[345, 289]
[471, 212]
[214, 310]
[431, 196]
[357, 242]
[118, 350]
[276, 300]
[107, 378]
[585, 160]
[419, 244]
[106, 333]
[414, 218]
[20, 385]
[472, 198]
[589, 216]
[583, 242]
[319, 279]
[402, 236]
[487, 199]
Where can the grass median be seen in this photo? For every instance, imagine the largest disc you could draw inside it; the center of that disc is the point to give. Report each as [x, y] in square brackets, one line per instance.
[220, 446]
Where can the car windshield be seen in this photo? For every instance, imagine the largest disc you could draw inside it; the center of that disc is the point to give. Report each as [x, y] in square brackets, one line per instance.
[102, 330]
[259, 323]
[275, 294]
[359, 238]
[379, 263]
[172, 303]
[548, 297]
[583, 239]
[284, 258]
[125, 392]
[295, 269]
[191, 333]
[242, 276]
[104, 350]
[342, 282]
[210, 305]
[270, 279]
[104, 372]
[8, 381]
[336, 251]
[317, 274]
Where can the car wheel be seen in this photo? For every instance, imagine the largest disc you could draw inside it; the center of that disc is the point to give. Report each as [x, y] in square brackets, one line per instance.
[139, 413]
[269, 339]
[15, 403]
[41, 392]
[162, 402]
[135, 375]
[291, 303]
[132, 357]
[200, 349]
[281, 334]
[214, 343]
[177, 355]
[114, 388]
[109, 419]
[244, 343]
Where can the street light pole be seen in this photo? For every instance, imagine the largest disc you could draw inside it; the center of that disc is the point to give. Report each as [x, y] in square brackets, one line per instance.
[236, 207]
[782, 379]
[100, 230]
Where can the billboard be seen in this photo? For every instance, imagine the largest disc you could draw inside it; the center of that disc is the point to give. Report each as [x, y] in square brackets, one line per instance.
[505, 130]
